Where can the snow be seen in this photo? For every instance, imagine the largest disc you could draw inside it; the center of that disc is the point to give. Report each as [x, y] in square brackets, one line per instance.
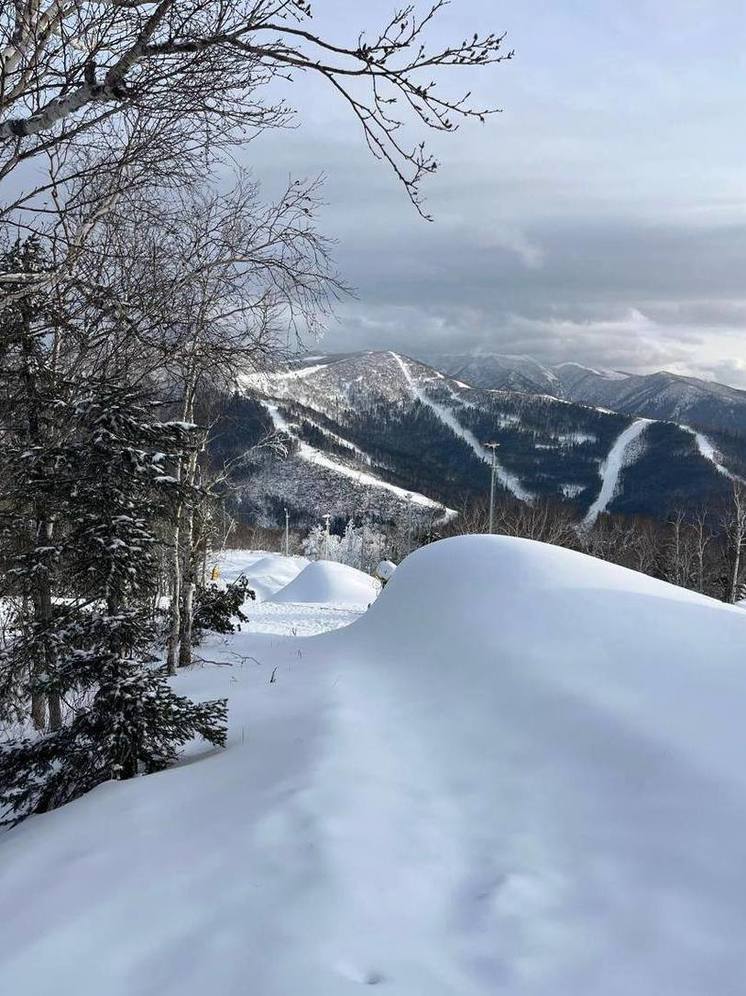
[312, 455]
[266, 573]
[508, 480]
[708, 450]
[340, 440]
[264, 379]
[576, 437]
[324, 581]
[519, 772]
[619, 456]
[385, 570]
[605, 374]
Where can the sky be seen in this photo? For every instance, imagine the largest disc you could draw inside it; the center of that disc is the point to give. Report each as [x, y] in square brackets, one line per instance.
[601, 217]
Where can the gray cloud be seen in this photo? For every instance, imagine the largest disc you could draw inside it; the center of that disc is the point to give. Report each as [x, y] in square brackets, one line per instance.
[600, 218]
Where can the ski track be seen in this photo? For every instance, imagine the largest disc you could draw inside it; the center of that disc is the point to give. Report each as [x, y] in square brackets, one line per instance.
[508, 480]
[341, 441]
[709, 451]
[312, 455]
[612, 468]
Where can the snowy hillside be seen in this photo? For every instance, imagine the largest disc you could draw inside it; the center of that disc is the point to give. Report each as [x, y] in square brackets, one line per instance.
[521, 772]
[382, 433]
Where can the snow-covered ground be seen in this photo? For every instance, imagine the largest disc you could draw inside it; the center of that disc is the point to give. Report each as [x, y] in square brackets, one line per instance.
[620, 456]
[266, 572]
[520, 771]
[709, 451]
[508, 480]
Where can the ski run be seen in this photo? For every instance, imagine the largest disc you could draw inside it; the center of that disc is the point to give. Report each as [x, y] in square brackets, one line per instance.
[619, 456]
[312, 455]
[508, 480]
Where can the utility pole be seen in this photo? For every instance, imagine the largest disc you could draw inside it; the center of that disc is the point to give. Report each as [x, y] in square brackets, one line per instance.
[287, 533]
[326, 519]
[409, 523]
[493, 447]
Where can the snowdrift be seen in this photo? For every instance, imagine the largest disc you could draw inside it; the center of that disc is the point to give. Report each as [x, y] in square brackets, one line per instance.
[520, 772]
[483, 612]
[324, 581]
[560, 742]
[267, 573]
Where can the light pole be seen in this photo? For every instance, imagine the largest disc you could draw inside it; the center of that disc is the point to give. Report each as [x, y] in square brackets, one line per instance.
[326, 519]
[493, 447]
[287, 533]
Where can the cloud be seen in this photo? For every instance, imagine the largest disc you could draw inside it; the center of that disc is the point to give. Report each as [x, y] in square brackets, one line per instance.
[629, 340]
[600, 218]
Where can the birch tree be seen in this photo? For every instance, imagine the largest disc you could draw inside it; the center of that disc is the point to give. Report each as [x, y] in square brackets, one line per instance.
[205, 67]
[734, 529]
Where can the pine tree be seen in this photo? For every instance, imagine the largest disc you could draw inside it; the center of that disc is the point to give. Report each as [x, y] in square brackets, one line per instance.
[32, 426]
[112, 491]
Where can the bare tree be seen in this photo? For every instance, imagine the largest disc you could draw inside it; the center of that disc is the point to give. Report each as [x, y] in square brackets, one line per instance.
[67, 68]
[219, 284]
[733, 523]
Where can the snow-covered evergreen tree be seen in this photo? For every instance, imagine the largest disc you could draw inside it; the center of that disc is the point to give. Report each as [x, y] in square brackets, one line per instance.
[359, 546]
[111, 491]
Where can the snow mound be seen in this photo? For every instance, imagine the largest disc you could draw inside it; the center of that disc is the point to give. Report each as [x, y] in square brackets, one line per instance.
[649, 658]
[271, 572]
[539, 776]
[324, 581]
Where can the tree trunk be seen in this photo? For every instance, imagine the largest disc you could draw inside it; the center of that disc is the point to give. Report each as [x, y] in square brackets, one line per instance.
[42, 707]
[189, 571]
[172, 645]
[736, 571]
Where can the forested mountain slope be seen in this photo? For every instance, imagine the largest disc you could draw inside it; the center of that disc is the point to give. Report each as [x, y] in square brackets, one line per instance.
[379, 433]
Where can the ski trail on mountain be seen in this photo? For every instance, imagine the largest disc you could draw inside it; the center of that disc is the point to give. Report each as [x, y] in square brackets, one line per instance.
[312, 455]
[508, 480]
[612, 467]
[709, 451]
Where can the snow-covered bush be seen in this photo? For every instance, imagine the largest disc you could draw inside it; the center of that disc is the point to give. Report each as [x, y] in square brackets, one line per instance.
[361, 546]
[218, 607]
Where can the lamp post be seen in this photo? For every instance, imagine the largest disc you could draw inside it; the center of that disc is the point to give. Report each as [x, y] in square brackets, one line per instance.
[493, 474]
[326, 519]
[287, 533]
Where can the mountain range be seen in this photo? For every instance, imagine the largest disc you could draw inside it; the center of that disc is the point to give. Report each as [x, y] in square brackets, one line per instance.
[382, 434]
[662, 395]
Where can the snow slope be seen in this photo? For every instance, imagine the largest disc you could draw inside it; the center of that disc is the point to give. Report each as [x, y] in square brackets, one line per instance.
[324, 581]
[619, 457]
[508, 480]
[267, 573]
[312, 455]
[708, 450]
[519, 772]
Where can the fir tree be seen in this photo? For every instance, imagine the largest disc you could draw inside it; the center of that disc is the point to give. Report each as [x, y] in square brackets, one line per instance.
[123, 718]
[33, 424]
